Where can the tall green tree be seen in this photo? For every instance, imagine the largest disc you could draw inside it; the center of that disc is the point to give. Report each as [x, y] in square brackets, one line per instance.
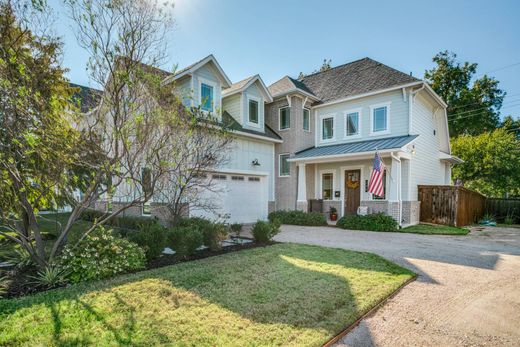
[473, 103]
[512, 125]
[491, 162]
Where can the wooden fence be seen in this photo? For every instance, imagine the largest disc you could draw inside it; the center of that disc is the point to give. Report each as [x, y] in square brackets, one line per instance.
[450, 205]
[501, 208]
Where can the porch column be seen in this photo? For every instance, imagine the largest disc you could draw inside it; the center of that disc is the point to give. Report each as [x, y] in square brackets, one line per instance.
[394, 196]
[301, 200]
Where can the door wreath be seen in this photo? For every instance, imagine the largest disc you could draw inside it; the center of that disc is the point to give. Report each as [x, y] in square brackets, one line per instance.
[352, 182]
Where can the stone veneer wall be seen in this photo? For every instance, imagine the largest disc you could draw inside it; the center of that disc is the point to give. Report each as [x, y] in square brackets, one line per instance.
[411, 212]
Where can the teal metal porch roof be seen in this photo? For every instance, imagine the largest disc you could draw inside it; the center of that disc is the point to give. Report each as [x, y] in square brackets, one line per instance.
[355, 147]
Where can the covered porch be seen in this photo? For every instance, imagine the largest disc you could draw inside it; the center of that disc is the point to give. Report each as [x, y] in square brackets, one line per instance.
[339, 175]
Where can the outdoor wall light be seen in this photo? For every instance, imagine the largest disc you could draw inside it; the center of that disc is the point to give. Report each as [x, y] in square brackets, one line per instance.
[413, 150]
[255, 162]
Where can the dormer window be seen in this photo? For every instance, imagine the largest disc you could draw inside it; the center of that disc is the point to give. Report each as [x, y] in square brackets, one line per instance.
[253, 111]
[206, 97]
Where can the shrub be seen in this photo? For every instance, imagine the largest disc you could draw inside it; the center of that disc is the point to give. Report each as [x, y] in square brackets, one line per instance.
[151, 238]
[213, 233]
[236, 228]
[372, 222]
[120, 221]
[298, 218]
[101, 255]
[265, 231]
[50, 276]
[185, 240]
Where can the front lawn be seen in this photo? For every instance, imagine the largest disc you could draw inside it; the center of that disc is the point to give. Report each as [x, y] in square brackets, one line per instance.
[285, 294]
[431, 229]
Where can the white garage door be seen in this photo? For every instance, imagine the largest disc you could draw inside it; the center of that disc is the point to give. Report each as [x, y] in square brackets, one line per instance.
[240, 198]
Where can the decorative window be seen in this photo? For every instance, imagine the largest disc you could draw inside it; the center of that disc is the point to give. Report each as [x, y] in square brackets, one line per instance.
[206, 97]
[146, 180]
[352, 124]
[253, 111]
[375, 197]
[327, 180]
[237, 178]
[219, 177]
[254, 179]
[379, 119]
[327, 128]
[285, 118]
[306, 119]
[284, 165]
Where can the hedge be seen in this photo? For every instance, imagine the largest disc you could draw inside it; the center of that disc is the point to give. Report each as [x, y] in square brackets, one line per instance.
[298, 218]
[371, 222]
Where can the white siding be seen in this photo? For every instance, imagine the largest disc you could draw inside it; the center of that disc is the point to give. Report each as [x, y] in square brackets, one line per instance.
[232, 105]
[244, 151]
[184, 90]
[426, 168]
[398, 113]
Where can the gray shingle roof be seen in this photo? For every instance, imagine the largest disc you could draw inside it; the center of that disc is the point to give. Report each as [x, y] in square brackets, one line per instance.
[86, 98]
[237, 86]
[358, 77]
[230, 122]
[356, 147]
[287, 84]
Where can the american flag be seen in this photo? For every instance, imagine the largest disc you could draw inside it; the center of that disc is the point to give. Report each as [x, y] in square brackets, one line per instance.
[375, 186]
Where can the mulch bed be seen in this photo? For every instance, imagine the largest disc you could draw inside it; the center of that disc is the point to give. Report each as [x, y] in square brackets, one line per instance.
[20, 282]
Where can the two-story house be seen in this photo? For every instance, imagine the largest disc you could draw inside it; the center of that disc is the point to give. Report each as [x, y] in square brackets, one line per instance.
[316, 137]
[333, 122]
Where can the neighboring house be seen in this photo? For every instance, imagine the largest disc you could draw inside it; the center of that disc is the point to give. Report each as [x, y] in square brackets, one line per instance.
[315, 138]
[333, 122]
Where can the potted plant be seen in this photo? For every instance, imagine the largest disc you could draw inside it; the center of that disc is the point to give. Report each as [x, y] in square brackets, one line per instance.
[333, 214]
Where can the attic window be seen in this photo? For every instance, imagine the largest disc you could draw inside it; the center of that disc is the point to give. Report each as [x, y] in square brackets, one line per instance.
[206, 97]
[253, 111]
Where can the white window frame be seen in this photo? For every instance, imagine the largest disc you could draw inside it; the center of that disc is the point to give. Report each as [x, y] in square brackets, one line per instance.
[258, 100]
[345, 121]
[372, 108]
[212, 84]
[387, 186]
[320, 183]
[303, 119]
[280, 118]
[322, 118]
[280, 165]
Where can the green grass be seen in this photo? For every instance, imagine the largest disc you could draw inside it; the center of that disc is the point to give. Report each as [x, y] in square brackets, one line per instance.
[285, 294]
[435, 230]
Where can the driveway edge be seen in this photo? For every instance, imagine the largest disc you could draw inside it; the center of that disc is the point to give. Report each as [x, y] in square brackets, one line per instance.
[368, 314]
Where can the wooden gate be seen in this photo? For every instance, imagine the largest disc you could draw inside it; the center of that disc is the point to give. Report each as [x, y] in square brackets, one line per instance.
[450, 205]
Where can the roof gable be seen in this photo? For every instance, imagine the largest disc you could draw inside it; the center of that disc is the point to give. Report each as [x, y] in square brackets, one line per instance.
[242, 85]
[190, 69]
[358, 77]
[288, 85]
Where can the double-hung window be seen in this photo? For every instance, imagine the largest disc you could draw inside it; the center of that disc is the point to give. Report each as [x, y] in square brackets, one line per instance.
[327, 128]
[284, 167]
[327, 180]
[284, 117]
[352, 124]
[379, 119]
[206, 97]
[306, 119]
[253, 111]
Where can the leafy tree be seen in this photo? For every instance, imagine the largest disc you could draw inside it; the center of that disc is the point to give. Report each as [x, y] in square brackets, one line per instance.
[512, 125]
[36, 139]
[325, 66]
[473, 104]
[491, 162]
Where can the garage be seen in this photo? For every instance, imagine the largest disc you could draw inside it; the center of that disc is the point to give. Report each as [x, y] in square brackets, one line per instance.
[237, 198]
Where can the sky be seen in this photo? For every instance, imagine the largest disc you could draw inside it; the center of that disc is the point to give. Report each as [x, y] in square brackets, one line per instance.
[286, 37]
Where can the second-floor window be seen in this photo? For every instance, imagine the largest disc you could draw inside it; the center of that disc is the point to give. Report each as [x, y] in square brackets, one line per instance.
[380, 119]
[306, 119]
[352, 124]
[253, 111]
[327, 128]
[284, 118]
[206, 97]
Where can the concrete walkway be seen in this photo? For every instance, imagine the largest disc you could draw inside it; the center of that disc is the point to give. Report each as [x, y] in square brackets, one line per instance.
[467, 292]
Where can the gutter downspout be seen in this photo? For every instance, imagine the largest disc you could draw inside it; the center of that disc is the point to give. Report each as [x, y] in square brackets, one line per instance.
[398, 181]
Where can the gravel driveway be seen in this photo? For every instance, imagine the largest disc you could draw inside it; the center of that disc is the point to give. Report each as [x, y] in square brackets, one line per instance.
[467, 292]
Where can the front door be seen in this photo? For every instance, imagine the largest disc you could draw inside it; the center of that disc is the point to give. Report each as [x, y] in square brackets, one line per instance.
[352, 189]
